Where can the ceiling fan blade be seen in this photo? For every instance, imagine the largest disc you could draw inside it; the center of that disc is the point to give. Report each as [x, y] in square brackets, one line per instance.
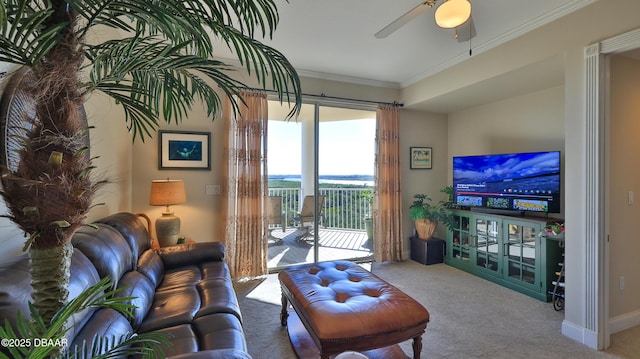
[466, 31]
[402, 20]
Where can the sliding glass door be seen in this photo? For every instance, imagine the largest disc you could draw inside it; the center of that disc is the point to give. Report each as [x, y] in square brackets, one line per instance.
[320, 170]
[345, 175]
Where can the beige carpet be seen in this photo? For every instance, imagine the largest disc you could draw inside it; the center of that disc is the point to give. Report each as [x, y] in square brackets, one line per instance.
[470, 318]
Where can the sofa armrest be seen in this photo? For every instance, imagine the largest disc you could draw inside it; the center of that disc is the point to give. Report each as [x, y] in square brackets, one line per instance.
[192, 253]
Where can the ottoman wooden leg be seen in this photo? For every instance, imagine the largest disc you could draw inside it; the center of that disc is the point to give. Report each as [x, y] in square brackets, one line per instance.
[284, 314]
[417, 346]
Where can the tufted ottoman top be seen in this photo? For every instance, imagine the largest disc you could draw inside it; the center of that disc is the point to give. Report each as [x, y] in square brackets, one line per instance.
[342, 302]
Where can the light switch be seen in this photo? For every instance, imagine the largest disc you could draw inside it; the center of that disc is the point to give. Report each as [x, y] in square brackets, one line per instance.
[630, 197]
[212, 189]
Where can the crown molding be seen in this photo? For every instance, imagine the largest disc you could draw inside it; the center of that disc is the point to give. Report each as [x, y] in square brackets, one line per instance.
[325, 76]
[349, 79]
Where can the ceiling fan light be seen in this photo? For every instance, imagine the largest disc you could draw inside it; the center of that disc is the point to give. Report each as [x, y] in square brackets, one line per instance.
[453, 13]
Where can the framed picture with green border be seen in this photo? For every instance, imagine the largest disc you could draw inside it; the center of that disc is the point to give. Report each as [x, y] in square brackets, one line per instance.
[420, 158]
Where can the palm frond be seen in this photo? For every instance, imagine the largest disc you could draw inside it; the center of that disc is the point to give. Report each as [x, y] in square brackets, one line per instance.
[178, 21]
[144, 344]
[251, 16]
[266, 62]
[24, 38]
[150, 77]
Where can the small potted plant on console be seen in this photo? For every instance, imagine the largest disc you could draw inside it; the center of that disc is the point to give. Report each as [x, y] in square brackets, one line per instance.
[426, 215]
[555, 231]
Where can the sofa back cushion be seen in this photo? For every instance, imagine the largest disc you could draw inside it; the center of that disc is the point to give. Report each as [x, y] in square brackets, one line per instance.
[106, 249]
[151, 265]
[132, 230]
[141, 290]
[106, 324]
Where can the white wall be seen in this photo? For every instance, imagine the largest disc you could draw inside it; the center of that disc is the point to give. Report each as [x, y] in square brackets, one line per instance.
[419, 129]
[200, 215]
[527, 123]
[531, 122]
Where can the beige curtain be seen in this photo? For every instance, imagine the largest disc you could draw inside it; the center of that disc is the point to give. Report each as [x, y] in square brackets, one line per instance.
[245, 186]
[388, 243]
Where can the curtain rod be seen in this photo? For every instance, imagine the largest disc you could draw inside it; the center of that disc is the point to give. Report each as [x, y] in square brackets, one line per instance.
[323, 96]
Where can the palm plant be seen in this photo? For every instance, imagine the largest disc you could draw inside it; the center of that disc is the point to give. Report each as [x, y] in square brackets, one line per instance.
[156, 72]
[50, 336]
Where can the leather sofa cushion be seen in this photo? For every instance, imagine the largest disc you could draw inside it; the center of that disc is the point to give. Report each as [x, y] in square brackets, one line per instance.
[183, 340]
[106, 248]
[191, 254]
[172, 307]
[132, 230]
[83, 276]
[178, 278]
[135, 284]
[220, 331]
[150, 264]
[15, 288]
[105, 323]
[218, 296]
[218, 269]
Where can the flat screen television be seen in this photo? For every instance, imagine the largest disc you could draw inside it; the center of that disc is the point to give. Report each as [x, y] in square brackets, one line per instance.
[519, 182]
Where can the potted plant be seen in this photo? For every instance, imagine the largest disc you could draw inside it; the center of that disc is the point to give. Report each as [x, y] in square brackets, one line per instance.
[426, 215]
[555, 231]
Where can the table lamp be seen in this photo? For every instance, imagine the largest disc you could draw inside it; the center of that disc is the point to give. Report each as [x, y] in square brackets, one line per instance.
[166, 193]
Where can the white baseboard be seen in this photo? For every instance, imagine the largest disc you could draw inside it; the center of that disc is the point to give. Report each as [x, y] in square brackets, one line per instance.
[580, 334]
[590, 338]
[623, 322]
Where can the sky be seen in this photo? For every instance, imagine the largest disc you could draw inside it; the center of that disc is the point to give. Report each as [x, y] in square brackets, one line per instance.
[346, 147]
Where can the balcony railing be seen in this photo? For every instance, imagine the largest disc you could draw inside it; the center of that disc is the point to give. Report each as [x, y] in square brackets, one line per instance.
[344, 208]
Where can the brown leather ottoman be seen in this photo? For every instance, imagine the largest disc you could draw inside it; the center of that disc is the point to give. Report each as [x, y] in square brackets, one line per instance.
[345, 307]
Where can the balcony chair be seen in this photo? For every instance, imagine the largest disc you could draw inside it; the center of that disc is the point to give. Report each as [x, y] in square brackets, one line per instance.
[305, 219]
[275, 216]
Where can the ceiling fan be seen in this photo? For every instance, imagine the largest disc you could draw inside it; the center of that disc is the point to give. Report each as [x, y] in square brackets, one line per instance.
[450, 14]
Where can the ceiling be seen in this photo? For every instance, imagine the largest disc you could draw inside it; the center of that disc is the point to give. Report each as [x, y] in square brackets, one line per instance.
[334, 39]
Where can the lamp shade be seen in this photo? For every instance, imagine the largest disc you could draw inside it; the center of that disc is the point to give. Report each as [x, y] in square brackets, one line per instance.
[167, 192]
[453, 13]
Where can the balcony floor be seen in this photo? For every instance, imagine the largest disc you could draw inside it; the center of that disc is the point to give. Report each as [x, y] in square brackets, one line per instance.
[285, 249]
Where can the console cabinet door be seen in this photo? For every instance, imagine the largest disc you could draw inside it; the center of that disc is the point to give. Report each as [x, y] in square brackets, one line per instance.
[522, 253]
[487, 238]
[459, 241]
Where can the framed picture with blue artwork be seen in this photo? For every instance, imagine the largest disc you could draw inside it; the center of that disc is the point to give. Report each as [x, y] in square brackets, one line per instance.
[182, 150]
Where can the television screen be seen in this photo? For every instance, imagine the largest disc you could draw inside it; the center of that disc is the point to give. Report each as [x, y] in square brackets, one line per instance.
[516, 181]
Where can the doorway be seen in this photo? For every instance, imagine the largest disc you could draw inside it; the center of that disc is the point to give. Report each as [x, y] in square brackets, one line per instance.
[598, 289]
[325, 158]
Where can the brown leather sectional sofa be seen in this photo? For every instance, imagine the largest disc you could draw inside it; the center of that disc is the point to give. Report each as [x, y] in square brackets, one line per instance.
[185, 290]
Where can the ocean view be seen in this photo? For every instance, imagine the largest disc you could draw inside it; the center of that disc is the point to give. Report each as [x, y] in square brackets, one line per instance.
[353, 180]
